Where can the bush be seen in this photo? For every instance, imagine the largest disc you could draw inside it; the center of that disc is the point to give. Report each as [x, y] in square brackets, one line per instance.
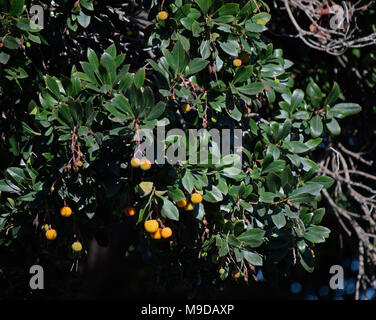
[72, 137]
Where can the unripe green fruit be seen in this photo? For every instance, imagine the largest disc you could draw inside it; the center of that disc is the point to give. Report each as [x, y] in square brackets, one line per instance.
[221, 271]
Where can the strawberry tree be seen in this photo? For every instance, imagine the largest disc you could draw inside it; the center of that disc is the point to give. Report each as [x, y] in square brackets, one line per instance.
[210, 68]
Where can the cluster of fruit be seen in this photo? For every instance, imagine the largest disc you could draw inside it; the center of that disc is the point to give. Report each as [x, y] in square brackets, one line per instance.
[51, 234]
[144, 164]
[190, 205]
[155, 231]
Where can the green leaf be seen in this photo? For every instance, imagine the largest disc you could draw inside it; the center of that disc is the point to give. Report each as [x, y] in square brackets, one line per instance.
[83, 19]
[325, 181]
[333, 127]
[205, 49]
[318, 214]
[252, 237]
[231, 47]
[179, 57]
[169, 210]
[16, 173]
[156, 111]
[176, 194]
[316, 126]
[8, 186]
[93, 59]
[306, 260]
[254, 27]
[145, 188]
[53, 86]
[11, 43]
[315, 93]
[4, 58]
[252, 257]
[120, 107]
[342, 110]
[279, 219]
[251, 89]
[139, 78]
[306, 193]
[296, 146]
[316, 234]
[188, 181]
[213, 195]
[196, 65]
[16, 7]
[296, 99]
[109, 63]
[267, 197]
[228, 9]
[243, 74]
[333, 95]
[277, 165]
[204, 5]
[87, 4]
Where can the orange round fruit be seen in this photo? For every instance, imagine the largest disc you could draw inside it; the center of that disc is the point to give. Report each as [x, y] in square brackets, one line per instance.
[79, 163]
[162, 15]
[66, 211]
[185, 107]
[151, 226]
[156, 235]
[196, 198]
[237, 62]
[77, 246]
[189, 207]
[182, 203]
[51, 234]
[145, 165]
[130, 211]
[166, 232]
[135, 162]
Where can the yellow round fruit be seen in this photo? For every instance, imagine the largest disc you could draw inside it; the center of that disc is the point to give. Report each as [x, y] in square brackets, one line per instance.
[182, 203]
[151, 226]
[185, 107]
[45, 227]
[189, 207]
[130, 211]
[145, 165]
[77, 246]
[157, 234]
[237, 62]
[221, 271]
[66, 211]
[196, 198]
[162, 15]
[135, 162]
[166, 232]
[51, 234]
